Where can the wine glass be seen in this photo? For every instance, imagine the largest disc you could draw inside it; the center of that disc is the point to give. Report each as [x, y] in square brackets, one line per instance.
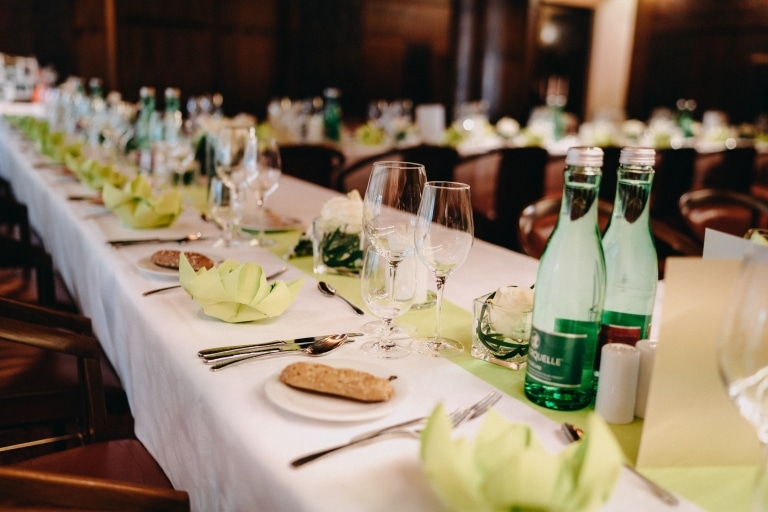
[387, 296]
[235, 152]
[262, 172]
[389, 213]
[225, 207]
[742, 354]
[444, 236]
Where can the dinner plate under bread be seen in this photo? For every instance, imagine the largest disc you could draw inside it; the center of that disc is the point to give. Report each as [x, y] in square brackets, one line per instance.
[332, 408]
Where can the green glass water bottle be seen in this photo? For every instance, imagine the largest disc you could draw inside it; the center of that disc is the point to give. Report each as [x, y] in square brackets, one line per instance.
[172, 118]
[332, 114]
[570, 289]
[631, 263]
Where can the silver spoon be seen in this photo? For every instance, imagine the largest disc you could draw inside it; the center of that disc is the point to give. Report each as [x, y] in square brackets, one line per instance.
[156, 290]
[316, 349]
[330, 291]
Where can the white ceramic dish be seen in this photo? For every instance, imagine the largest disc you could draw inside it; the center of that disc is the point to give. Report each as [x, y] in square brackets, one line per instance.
[329, 408]
[149, 269]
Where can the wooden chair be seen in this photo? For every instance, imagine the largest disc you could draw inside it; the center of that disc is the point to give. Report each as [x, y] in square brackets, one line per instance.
[735, 171]
[315, 163]
[519, 182]
[354, 176]
[439, 161]
[675, 169]
[609, 180]
[40, 389]
[19, 258]
[722, 210]
[100, 475]
[539, 218]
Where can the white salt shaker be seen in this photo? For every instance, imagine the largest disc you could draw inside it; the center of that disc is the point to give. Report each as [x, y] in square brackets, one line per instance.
[647, 350]
[617, 387]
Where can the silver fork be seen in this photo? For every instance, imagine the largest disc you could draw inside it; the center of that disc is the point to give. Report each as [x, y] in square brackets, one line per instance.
[411, 428]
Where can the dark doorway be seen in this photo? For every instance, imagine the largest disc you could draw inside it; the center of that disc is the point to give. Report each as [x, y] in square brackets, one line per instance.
[561, 42]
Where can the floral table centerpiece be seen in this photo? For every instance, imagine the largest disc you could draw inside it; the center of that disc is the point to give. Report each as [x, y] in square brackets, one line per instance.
[336, 236]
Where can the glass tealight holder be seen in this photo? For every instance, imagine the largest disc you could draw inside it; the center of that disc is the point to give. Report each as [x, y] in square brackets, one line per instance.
[335, 251]
[500, 334]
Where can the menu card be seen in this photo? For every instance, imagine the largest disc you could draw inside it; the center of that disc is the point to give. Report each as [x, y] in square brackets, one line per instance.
[690, 421]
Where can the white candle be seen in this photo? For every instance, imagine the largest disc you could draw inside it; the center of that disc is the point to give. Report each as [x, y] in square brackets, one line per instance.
[647, 350]
[617, 387]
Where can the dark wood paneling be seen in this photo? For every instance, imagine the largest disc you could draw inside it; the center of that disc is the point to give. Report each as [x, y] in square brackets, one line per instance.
[711, 51]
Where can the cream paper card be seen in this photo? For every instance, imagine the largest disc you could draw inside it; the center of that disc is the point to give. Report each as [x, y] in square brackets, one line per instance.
[689, 420]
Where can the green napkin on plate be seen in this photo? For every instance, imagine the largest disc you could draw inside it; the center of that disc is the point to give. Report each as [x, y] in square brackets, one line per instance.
[506, 468]
[91, 173]
[237, 292]
[135, 205]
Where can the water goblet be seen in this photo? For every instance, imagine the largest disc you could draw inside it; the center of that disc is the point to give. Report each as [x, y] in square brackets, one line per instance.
[444, 235]
[390, 206]
[742, 354]
[262, 173]
[234, 153]
[225, 207]
[387, 296]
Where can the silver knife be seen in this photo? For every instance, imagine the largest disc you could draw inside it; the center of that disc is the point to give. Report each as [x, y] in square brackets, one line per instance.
[188, 238]
[210, 353]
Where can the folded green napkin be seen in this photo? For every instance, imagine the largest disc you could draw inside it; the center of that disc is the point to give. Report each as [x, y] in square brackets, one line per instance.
[135, 205]
[237, 292]
[91, 173]
[506, 468]
[369, 135]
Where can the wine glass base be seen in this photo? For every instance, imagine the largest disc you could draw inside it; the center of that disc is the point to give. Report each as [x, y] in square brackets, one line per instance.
[226, 244]
[399, 332]
[261, 242]
[378, 349]
[437, 347]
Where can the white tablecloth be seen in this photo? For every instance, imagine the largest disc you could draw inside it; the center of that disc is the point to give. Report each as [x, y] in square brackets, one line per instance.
[217, 435]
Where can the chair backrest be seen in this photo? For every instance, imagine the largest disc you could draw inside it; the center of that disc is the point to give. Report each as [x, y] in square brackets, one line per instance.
[608, 182]
[32, 342]
[354, 176]
[722, 210]
[439, 161]
[674, 176]
[735, 171]
[30, 489]
[519, 182]
[538, 219]
[315, 163]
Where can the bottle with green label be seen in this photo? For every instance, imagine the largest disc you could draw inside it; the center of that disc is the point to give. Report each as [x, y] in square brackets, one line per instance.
[631, 263]
[570, 289]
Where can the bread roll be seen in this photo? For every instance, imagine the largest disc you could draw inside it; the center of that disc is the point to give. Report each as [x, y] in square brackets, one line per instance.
[343, 382]
[169, 258]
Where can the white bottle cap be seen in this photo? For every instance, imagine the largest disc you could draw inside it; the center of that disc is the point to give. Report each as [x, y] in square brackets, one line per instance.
[637, 156]
[584, 157]
[617, 387]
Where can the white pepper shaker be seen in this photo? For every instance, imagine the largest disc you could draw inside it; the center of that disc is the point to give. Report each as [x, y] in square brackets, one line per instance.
[617, 387]
[647, 350]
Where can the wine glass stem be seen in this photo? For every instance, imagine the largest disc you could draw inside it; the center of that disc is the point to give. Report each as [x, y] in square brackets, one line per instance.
[386, 342]
[440, 280]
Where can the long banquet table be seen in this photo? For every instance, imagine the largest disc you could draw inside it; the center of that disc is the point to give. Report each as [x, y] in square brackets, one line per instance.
[216, 434]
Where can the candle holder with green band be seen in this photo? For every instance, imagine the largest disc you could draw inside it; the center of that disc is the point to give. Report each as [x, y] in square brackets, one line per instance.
[501, 326]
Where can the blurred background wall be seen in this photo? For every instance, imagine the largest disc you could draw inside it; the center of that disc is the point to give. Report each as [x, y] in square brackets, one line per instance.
[624, 55]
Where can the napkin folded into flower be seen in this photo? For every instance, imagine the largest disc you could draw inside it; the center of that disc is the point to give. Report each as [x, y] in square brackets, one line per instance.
[137, 207]
[91, 173]
[506, 468]
[237, 292]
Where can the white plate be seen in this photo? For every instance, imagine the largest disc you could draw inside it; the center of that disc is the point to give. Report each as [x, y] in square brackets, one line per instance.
[329, 408]
[146, 266]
